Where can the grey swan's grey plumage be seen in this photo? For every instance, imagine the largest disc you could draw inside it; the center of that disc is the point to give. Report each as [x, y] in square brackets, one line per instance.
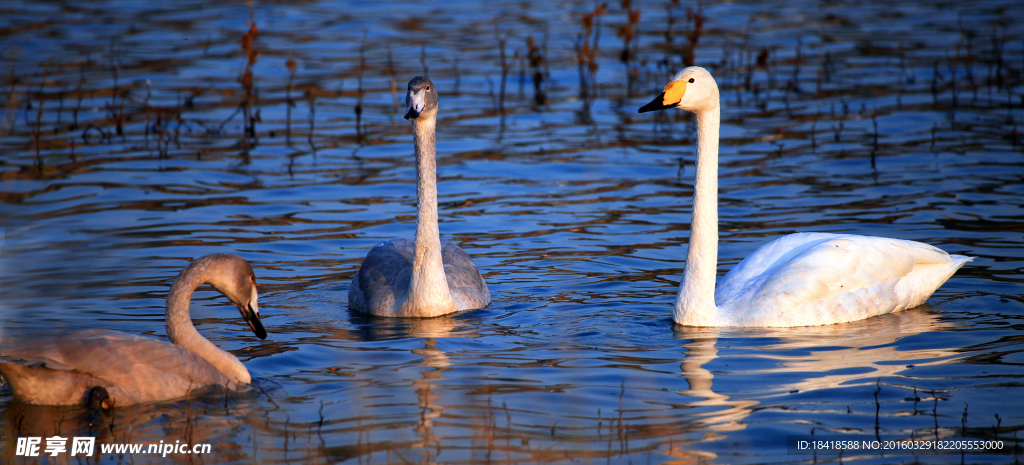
[429, 276]
[135, 369]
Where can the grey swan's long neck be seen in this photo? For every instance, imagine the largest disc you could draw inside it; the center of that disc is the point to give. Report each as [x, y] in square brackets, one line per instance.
[696, 303]
[428, 291]
[181, 331]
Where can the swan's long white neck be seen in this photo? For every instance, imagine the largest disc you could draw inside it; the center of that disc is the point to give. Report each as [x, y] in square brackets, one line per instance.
[695, 305]
[181, 331]
[428, 290]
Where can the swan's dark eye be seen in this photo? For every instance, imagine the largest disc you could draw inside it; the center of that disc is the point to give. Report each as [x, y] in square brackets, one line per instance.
[691, 80]
[428, 87]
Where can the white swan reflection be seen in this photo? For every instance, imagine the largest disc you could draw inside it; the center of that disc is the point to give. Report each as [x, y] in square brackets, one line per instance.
[828, 355]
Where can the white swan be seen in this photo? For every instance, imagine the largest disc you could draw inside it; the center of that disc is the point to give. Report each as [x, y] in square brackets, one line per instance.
[429, 277]
[135, 369]
[797, 280]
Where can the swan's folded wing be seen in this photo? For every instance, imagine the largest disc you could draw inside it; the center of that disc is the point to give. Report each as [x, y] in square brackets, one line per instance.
[385, 273]
[828, 280]
[468, 289]
[134, 368]
[765, 260]
[98, 352]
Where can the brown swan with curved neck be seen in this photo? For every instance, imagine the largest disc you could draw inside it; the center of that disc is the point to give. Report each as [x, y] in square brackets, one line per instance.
[427, 277]
[135, 369]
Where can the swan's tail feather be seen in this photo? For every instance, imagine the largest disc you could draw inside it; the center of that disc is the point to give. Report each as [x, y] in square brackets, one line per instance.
[915, 288]
[960, 260]
[44, 381]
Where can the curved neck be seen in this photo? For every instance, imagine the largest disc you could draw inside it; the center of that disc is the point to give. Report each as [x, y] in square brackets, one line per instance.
[696, 302]
[181, 331]
[428, 290]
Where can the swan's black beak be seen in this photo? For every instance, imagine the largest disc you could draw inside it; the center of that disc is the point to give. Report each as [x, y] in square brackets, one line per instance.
[251, 314]
[657, 104]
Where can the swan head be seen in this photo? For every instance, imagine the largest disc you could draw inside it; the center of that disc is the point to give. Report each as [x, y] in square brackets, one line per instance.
[233, 277]
[421, 98]
[693, 89]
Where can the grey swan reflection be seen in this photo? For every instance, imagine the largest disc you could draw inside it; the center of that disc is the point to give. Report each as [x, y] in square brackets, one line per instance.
[426, 277]
[435, 363]
[135, 369]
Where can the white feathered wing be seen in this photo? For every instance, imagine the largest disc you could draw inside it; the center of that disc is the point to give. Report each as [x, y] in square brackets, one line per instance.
[817, 278]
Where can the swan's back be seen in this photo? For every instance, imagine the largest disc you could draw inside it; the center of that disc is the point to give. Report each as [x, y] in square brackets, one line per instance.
[132, 368]
[386, 274]
[815, 278]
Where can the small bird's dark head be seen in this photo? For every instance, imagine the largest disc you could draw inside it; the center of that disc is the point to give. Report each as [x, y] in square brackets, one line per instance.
[98, 399]
[421, 98]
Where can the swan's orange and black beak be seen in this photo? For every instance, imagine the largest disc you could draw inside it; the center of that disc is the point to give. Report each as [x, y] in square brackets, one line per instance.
[669, 98]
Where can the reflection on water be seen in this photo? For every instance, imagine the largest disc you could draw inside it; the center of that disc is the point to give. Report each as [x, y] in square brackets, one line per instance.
[134, 137]
[206, 418]
[799, 357]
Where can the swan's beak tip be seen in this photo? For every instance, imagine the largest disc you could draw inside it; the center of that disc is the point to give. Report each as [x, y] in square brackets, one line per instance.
[258, 330]
[656, 104]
